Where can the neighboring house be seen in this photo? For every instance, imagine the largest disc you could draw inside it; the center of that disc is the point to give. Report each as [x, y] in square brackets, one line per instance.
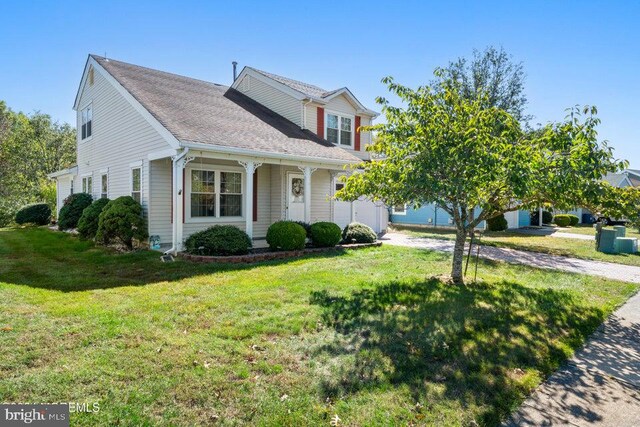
[431, 215]
[196, 153]
[634, 176]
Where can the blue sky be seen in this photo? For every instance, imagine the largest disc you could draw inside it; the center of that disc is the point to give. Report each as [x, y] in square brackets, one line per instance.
[574, 52]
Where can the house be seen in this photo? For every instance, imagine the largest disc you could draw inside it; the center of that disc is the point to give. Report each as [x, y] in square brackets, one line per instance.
[196, 153]
[431, 215]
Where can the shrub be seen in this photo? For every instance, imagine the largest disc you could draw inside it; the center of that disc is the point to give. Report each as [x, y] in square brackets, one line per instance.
[37, 213]
[8, 209]
[71, 211]
[219, 240]
[88, 223]
[562, 220]
[547, 217]
[286, 236]
[497, 223]
[121, 220]
[358, 233]
[306, 226]
[325, 234]
[574, 220]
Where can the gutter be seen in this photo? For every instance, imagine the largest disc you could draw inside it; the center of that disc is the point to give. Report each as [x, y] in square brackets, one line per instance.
[174, 163]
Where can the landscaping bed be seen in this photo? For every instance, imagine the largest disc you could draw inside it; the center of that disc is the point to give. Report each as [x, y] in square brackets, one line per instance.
[266, 255]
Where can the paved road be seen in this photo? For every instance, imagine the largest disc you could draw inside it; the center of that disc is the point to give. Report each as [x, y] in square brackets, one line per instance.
[600, 385]
[609, 270]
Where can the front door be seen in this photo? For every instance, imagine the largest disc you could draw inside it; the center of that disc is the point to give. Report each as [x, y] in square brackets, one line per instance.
[295, 197]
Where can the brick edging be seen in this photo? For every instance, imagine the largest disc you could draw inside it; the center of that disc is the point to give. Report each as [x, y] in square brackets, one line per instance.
[267, 256]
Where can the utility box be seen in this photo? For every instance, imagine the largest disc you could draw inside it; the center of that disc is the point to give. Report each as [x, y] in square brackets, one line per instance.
[621, 230]
[607, 243]
[626, 245]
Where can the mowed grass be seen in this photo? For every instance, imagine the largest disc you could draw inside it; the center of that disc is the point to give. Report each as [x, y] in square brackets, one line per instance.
[367, 336]
[589, 230]
[577, 248]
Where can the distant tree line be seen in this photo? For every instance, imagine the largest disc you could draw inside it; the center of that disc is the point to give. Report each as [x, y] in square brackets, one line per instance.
[31, 146]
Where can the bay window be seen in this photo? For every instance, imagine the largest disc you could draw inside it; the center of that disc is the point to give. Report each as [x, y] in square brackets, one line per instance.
[339, 129]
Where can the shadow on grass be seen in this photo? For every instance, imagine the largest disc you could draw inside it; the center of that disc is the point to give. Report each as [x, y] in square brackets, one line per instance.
[41, 258]
[482, 345]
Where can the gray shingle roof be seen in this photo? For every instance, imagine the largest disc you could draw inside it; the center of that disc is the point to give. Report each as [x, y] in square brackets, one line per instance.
[201, 112]
[614, 178]
[302, 87]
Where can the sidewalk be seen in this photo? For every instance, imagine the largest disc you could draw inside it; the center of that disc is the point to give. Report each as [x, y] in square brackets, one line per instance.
[600, 385]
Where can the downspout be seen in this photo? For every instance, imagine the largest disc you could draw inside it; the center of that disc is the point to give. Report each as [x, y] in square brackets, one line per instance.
[304, 113]
[174, 166]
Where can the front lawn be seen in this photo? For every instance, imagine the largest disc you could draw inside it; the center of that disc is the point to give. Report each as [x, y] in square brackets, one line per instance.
[561, 246]
[366, 335]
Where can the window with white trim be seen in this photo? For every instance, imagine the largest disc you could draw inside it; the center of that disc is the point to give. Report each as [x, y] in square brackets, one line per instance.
[104, 186]
[87, 184]
[339, 129]
[136, 184]
[215, 193]
[87, 121]
[400, 209]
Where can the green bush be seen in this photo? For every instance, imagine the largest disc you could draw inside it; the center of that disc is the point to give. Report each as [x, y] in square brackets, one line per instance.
[306, 226]
[286, 236]
[8, 209]
[71, 211]
[547, 217]
[219, 240]
[562, 220]
[88, 223]
[358, 233]
[497, 223]
[325, 234]
[574, 220]
[37, 213]
[121, 220]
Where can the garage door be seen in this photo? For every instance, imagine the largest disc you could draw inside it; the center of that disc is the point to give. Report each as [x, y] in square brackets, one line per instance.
[375, 215]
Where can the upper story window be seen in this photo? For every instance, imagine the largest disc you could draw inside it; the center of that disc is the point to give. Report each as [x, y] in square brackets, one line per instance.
[339, 130]
[87, 116]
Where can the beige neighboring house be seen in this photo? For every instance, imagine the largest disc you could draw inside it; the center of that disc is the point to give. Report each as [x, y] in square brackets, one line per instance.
[196, 153]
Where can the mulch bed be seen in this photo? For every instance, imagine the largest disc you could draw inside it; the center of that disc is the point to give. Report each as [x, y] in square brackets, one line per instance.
[266, 255]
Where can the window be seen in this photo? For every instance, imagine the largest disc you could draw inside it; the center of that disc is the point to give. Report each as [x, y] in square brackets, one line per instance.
[339, 130]
[203, 193]
[215, 193]
[104, 186]
[87, 185]
[339, 186]
[136, 184]
[91, 76]
[230, 194]
[400, 209]
[87, 116]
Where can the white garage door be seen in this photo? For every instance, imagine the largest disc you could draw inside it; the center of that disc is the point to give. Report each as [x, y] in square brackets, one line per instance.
[375, 215]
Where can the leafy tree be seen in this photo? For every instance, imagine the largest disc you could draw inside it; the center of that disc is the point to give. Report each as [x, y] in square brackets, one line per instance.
[459, 153]
[493, 74]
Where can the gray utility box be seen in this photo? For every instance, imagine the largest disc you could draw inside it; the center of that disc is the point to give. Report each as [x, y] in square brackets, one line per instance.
[607, 242]
[626, 245]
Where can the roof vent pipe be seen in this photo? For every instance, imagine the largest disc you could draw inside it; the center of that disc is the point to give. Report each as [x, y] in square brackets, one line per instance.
[235, 75]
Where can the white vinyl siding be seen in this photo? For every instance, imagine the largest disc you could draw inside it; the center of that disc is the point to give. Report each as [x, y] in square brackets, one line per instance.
[277, 101]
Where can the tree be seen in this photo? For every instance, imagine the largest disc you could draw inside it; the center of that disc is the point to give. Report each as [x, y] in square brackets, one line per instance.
[459, 153]
[491, 73]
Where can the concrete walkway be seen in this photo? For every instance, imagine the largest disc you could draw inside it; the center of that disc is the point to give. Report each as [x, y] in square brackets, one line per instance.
[627, 273]
[600, 385]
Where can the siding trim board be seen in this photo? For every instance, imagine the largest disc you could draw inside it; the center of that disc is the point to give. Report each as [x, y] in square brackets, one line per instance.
[357, 134]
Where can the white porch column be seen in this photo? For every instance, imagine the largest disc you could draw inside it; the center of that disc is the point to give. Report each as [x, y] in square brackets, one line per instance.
[353, 211]
[307, 192]
[540, 217]
[250, 167]
[179, 162]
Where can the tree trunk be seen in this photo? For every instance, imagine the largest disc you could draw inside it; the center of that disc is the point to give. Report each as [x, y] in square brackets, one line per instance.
[458, 256]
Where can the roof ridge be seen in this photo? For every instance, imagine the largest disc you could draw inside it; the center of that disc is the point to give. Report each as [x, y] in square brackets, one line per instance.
[102, 58]
[268, 74]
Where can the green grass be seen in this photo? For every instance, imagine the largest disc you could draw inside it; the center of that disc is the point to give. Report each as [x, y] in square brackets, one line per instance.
[561, 246]
[366, 335]
[588, 230]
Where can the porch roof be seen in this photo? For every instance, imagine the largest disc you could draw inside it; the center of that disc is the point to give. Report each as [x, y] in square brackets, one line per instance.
[199, 112]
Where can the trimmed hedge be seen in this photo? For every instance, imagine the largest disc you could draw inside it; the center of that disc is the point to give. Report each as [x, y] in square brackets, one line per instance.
[37, 213]
[574, 220]
[306, 226]
[286, 236]
[88, 223]
[325, 234]
[71, 211]
[219, 240]
[358, 233]
[121, 220]
[562, 220]
[547, 217]
[8, 209]
[497, 223]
